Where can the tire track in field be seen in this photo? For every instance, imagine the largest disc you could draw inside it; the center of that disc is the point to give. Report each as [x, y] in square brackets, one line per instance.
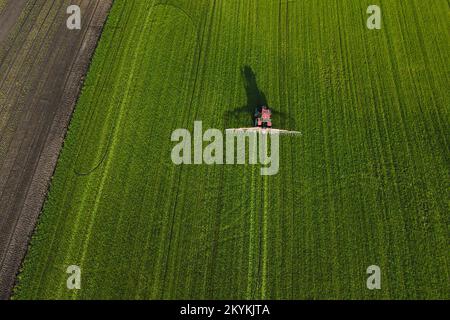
[91, 23]
[392, 175]
[173, 124]
[61, 220]
[250, 285]
[98, 100]
[196, 78]
[373, 163]
[440, 130]
[292, 115]
[282, 51]
[130, 39]
[109, 140]
[118, 121]
[429, 89]
[261, 279]
[174, 121]
[132, 73]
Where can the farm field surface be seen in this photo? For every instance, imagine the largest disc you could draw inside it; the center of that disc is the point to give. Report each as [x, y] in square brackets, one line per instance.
[41, 66]
[365, 184]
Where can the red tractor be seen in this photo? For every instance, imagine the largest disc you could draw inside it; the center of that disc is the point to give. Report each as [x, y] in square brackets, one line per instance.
[263, 117]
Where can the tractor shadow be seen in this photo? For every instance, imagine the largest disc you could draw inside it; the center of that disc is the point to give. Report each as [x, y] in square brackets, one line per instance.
[244, 116]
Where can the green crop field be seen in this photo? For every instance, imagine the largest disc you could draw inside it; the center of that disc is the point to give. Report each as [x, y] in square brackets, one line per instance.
[365, 184]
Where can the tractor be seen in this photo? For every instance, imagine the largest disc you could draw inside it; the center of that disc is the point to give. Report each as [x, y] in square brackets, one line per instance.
[263, 117]
[263, 124]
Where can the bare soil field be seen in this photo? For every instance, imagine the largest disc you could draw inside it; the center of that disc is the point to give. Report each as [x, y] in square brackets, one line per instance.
[42, 65]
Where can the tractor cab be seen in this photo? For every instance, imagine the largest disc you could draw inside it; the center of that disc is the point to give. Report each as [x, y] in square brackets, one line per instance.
[263, 117]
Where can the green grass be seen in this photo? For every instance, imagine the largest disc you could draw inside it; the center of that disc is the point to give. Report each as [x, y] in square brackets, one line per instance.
[366, 184]
[2, 5]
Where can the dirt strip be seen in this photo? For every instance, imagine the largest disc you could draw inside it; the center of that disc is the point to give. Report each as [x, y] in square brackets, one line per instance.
[42, 64]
